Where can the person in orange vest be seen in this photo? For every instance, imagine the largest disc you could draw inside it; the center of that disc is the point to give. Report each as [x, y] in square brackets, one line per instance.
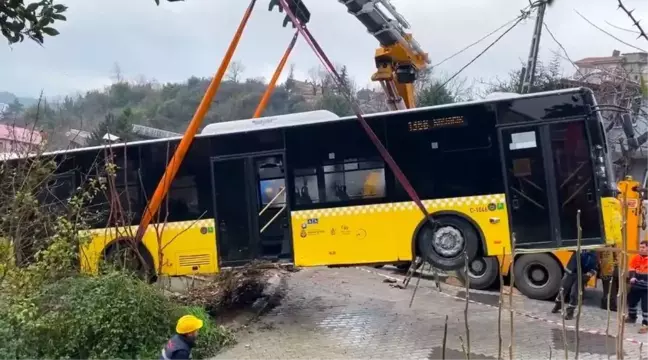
[180, 345]
[639, 287]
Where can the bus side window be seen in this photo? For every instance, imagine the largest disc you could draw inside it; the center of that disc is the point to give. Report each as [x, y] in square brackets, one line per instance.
[58, 189]
[354, 179]
[182, 199]
[127, 185]
[306, 186]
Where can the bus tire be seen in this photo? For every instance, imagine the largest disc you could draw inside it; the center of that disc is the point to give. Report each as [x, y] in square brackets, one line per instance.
[537, 276]
[140, 263]
[483, 273]
[444, 247]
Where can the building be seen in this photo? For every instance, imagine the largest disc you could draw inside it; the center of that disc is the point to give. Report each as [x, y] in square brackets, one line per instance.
[80, 138]
[618, 67]
[77, 138]
[618, 80]
[16, 140]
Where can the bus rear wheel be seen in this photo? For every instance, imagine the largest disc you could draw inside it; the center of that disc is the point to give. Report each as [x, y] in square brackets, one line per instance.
[124, 256]
[483, 273]
[537, 276]
[444, 247]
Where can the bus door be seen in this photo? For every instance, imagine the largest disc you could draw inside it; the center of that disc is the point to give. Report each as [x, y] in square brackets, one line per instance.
[526, 182]
[250, 206]
[575, 184]
[549, 177]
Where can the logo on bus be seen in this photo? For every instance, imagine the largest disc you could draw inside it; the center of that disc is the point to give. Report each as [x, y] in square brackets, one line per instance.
[487, 208]
[312, 221]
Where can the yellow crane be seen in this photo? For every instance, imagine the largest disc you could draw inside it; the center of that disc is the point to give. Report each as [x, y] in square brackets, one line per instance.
[399, 59]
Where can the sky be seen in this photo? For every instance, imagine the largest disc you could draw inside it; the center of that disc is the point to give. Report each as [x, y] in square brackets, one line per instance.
[177, 40]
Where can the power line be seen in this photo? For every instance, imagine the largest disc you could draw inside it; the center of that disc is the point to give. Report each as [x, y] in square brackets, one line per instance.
[522, 16]
[563, 49]
[621, 28]
[475, 43]
[608, 33]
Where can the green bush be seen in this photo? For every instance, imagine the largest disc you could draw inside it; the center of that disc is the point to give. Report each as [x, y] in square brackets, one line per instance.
[112, 316]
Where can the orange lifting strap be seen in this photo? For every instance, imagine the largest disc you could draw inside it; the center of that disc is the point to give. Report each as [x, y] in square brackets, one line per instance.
[266, 95]
[178, 156]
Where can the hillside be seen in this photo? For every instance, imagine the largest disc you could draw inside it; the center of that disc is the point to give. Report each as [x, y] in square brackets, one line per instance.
[8, 98]
[170, 106]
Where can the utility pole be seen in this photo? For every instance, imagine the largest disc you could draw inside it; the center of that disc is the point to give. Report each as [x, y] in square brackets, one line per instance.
[528, 72]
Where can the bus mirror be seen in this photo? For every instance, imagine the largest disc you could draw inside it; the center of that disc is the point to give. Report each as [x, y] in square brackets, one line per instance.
[628, 129]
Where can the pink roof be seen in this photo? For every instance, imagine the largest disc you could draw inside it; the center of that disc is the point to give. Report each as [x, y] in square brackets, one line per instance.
[19, 134]
[598, 60]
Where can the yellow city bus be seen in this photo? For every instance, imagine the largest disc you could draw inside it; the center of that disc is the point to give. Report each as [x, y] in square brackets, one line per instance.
[312, 190]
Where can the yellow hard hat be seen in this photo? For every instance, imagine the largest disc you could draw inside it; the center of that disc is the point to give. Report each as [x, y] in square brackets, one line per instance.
[188, 324]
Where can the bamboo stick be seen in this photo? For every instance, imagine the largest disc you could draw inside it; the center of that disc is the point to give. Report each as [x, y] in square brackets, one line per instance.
[445, 338]
[499, 308]
[512, 284]
[467, 353]
[579, 274]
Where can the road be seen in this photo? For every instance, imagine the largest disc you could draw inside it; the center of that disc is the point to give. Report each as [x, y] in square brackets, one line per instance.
[352, 313]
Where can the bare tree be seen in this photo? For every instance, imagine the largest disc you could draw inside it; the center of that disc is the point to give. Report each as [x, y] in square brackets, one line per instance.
[314, 79]
[116, 73]
[618, 90]
[235, 71]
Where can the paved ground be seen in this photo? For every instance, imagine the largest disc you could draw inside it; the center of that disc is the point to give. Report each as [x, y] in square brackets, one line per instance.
[352, 314]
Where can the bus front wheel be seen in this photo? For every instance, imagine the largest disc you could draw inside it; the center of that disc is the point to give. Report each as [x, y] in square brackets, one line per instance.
[537, 276]
[483, 273]
[444, 246]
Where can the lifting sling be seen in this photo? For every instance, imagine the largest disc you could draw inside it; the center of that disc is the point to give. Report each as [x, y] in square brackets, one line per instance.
[400, 176]
[178, 156]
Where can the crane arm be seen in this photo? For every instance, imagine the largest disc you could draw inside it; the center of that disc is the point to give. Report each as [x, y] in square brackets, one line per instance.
[399, 58]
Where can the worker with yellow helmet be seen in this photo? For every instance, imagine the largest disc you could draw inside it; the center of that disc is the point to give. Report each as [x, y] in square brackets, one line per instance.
[180, 345]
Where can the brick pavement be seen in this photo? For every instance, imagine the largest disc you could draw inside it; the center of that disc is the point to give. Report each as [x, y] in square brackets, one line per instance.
[353, 314]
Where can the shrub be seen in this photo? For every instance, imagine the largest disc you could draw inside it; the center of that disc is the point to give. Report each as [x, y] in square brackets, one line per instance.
[112, 316]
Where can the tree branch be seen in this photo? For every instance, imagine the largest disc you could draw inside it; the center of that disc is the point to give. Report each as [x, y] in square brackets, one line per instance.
[642, 33]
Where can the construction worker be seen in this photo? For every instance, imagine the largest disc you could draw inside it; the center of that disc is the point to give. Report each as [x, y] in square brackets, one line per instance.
[639, 287]
[569, 284]
[180, 345]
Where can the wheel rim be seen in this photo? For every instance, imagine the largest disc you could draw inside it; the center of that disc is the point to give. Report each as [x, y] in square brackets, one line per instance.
[125, 258]
[536, 275]
[448, 242]
[477, 268]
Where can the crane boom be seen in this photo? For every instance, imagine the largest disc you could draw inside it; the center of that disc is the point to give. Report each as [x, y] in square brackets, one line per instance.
[399, 58]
